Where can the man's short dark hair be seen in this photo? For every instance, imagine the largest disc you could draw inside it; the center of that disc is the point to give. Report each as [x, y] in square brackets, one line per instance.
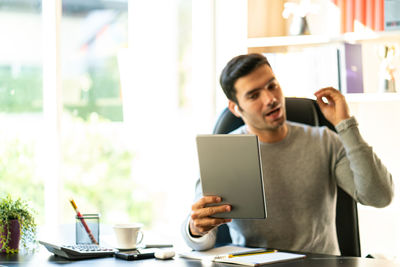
[236, 68]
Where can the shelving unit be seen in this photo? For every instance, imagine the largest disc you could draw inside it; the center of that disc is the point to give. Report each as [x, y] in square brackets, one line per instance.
[264, 38]
[269, 43]
[372, 97]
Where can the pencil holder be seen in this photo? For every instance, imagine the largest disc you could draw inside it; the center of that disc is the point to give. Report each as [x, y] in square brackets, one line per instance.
[82, 234]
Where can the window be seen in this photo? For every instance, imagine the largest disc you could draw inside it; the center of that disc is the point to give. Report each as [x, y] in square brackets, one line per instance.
[98, 104]
[21, 101]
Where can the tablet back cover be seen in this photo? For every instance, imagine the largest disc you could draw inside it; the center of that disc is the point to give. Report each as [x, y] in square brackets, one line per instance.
[230, 167]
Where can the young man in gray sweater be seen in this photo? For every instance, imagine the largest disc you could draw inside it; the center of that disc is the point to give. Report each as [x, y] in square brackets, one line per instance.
[304, 165]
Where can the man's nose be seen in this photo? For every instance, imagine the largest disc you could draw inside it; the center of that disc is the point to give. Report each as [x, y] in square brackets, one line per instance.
[267, 97]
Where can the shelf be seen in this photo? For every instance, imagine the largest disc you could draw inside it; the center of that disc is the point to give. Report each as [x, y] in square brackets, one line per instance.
[372, 97]
[301, 40]
[309, 40]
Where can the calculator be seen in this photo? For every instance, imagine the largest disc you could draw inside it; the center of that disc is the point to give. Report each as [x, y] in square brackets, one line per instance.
[77, 252]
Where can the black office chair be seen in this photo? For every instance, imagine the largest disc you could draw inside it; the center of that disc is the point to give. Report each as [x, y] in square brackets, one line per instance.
[305, 111]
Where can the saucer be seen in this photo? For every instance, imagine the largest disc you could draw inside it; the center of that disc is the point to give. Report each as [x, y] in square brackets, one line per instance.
[127, 249]
[110, 241]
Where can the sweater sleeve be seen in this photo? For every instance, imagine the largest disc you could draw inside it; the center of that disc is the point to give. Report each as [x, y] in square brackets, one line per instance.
[359, 171]
[205, 242]
[198, 243]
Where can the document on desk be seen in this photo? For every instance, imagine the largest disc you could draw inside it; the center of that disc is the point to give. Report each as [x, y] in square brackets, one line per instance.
[242, 255]
[259, 259]
[213, 253]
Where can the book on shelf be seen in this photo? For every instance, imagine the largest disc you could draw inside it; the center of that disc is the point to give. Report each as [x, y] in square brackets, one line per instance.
[350, 67]
[391, 15]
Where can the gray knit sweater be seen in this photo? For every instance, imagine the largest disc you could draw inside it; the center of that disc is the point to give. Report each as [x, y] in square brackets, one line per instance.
[301, 175]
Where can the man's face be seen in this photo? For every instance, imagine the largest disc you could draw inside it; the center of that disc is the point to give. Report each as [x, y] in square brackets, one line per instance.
[260, 99]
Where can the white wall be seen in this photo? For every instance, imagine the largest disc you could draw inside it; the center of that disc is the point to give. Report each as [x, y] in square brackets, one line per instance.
[379, 125]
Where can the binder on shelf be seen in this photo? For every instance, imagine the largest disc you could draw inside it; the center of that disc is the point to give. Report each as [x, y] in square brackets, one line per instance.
[379, 15]
[370, 14]
[349, 13]
[351, 70]
[359, 13]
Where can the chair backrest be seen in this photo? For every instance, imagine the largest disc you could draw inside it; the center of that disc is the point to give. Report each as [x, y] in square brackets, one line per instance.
[305, 111]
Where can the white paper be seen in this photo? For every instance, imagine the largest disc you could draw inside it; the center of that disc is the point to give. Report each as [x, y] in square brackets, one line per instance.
[262, 258]
[214, 252]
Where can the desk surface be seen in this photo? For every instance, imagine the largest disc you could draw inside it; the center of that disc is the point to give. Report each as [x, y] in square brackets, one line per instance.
[43, 258]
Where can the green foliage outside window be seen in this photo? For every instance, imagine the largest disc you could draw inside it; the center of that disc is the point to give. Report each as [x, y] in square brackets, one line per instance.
[103, 96]
[17, 171]
[97, 168]
[20, 90]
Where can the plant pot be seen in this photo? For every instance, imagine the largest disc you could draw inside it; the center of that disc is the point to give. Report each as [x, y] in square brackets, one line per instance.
[15, 237]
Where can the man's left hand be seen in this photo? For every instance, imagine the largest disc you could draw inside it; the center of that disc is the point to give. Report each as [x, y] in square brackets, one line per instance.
[336, 108]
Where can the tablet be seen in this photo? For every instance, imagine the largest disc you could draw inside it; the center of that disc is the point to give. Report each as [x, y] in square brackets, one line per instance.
[230, 167]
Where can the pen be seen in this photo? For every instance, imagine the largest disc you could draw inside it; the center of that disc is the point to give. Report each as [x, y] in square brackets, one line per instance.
[249, 253]
[83, 222]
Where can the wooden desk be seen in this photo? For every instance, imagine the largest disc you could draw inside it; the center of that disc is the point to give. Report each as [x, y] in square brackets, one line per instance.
[43, 259]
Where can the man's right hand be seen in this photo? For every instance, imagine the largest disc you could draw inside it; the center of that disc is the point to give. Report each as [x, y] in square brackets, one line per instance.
[200, 221]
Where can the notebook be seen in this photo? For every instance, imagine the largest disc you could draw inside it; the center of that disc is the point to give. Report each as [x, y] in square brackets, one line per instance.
[261, 259]
[248, 256]
[213, 253]
[230, 167]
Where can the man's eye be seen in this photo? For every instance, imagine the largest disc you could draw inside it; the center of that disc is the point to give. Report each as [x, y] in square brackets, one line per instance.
[273, 86]
[253, 96]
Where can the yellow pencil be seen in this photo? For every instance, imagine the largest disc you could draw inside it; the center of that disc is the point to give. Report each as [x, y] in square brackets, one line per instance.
[251, 253]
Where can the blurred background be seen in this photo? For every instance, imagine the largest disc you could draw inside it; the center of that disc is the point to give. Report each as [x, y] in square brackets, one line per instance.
[101, 100]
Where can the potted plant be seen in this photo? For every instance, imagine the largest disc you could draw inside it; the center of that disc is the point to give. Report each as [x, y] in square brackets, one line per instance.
[16, 223]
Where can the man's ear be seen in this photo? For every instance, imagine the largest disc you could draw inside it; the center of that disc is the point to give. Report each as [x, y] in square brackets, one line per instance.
[233, 107]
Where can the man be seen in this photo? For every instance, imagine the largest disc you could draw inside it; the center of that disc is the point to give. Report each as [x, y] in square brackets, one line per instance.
[303, 167]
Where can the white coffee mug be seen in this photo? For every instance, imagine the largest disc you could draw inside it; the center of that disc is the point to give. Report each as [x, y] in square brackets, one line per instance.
[128, 235]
